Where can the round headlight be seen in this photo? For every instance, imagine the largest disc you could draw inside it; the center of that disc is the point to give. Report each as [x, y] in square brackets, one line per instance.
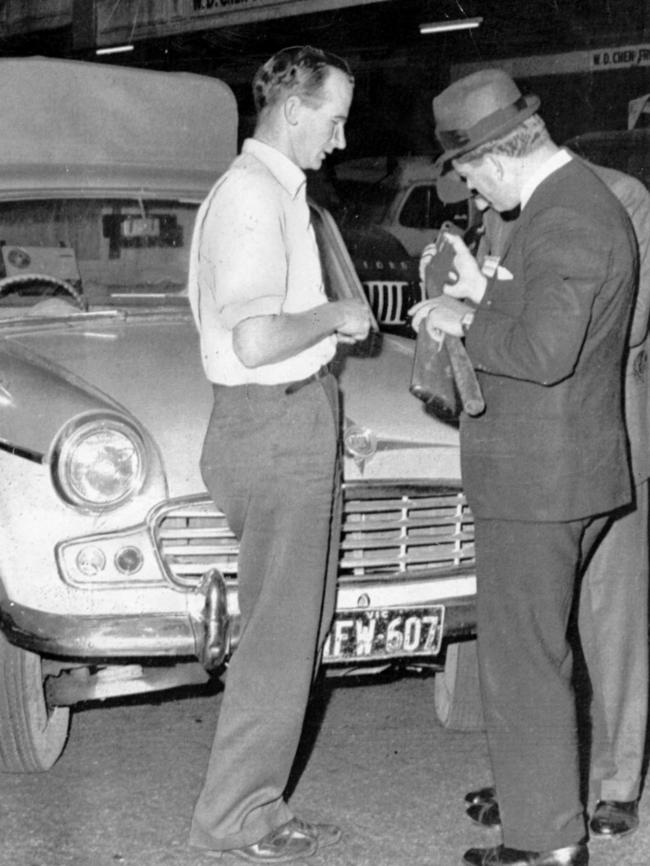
[100, 464]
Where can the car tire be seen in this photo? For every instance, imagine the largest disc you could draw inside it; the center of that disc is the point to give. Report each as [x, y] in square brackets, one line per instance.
[32, 735]
[457, 695]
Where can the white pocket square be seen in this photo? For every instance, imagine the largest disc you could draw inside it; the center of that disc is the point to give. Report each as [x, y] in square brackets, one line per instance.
[503, 273]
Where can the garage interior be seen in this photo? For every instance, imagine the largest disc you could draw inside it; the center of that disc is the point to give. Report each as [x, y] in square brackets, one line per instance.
[595, 53]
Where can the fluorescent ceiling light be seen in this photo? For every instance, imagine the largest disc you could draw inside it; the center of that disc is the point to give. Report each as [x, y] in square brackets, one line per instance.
[115, 49]
[442, 26]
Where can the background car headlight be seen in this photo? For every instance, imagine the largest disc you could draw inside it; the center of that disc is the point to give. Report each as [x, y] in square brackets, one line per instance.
[100, 464]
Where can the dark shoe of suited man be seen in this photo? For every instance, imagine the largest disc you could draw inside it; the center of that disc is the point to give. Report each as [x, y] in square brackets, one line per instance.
[483, 809]
[612, 819]
[576, 855]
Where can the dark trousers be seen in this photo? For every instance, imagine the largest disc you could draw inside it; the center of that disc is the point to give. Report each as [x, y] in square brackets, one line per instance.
[613, 627]
[270, 462]
[527, 576]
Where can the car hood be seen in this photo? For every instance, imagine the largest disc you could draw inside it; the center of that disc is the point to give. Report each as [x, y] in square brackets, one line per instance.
[149, 364]
[375, 251]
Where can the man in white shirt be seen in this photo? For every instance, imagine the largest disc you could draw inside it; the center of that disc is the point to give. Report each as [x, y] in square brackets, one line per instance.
[269, 460]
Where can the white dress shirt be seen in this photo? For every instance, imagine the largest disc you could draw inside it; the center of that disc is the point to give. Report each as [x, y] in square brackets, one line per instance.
[254, 253]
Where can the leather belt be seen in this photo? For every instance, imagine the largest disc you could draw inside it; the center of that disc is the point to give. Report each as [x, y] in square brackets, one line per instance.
[292, 387]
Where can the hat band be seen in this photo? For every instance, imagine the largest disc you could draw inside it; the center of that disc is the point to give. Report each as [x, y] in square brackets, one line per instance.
[483, 130]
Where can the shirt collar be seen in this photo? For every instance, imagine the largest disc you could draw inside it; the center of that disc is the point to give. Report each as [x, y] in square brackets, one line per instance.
[535, 179]
[283, 169]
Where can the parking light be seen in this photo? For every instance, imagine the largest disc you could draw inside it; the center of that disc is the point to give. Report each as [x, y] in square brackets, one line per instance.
[129, 560]
[90, 561]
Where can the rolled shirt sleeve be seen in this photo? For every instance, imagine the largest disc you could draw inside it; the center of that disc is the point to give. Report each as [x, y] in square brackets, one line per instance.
[244, 251]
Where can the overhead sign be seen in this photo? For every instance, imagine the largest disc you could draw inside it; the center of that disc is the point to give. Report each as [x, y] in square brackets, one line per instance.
[597, 60]
[129, 20]
[25, 16]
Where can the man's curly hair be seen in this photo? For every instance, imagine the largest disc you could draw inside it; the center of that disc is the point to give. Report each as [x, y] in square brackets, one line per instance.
[301, 70]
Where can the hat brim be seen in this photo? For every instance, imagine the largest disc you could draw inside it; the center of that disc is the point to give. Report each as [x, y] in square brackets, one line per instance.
[489, 132]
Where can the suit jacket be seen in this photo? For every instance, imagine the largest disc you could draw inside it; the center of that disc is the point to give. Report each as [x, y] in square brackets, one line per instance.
[548, 342]
[635, 198]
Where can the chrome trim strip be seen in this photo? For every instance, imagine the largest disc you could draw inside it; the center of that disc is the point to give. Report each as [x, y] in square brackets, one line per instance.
[25, 453]
[100, 637]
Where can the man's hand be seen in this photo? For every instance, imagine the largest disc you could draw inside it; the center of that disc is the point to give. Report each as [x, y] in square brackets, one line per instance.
[428, 256]
[442, 314]
[471, 282]
[355, 321]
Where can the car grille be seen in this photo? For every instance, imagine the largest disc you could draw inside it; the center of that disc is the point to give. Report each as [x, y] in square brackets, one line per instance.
[388, 529]
[391, 300]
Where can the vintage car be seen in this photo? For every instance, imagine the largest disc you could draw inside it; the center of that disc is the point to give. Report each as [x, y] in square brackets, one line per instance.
[389, 276]
[399, 196]
[387, 211]
[118, 575]
[627, 150]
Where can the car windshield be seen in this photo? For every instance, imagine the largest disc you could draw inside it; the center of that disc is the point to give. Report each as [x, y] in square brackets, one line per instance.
[110, 250]
[59, 256]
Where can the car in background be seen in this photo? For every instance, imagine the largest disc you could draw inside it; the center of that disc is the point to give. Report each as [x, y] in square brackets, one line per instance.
[627, 150]
[399, 195]
[389, 276]
[118, 574]
[387, 211]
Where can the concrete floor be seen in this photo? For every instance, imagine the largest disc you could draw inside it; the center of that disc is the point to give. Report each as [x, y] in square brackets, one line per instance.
[381, 767]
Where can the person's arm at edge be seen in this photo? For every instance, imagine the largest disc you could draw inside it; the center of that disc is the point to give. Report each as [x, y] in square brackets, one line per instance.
[640, 216]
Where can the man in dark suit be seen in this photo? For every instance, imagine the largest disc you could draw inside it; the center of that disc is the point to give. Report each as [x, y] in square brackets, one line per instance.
[613, 609]
[546, 464]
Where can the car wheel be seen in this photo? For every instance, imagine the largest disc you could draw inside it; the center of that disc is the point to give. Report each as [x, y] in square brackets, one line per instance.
[32, 735]
[456, 689]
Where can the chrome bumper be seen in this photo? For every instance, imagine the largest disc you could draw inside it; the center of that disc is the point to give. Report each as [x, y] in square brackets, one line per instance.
[133, 636]
[208, 637]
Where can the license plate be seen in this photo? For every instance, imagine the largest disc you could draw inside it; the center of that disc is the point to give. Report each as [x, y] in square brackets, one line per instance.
[386, 633]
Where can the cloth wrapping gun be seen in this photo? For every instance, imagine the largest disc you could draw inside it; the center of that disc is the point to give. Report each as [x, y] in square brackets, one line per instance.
[442, 371]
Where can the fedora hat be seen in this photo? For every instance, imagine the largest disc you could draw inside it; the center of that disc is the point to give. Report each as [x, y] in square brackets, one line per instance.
[478, 108]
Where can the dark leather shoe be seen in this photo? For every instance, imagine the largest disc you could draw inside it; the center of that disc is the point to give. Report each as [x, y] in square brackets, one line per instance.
[614, 818]
[485, 813]
[481, 795]
[577, 855]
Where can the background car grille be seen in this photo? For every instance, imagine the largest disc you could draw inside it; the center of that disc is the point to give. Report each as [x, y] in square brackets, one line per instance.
[387, 529]
[391, 300]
